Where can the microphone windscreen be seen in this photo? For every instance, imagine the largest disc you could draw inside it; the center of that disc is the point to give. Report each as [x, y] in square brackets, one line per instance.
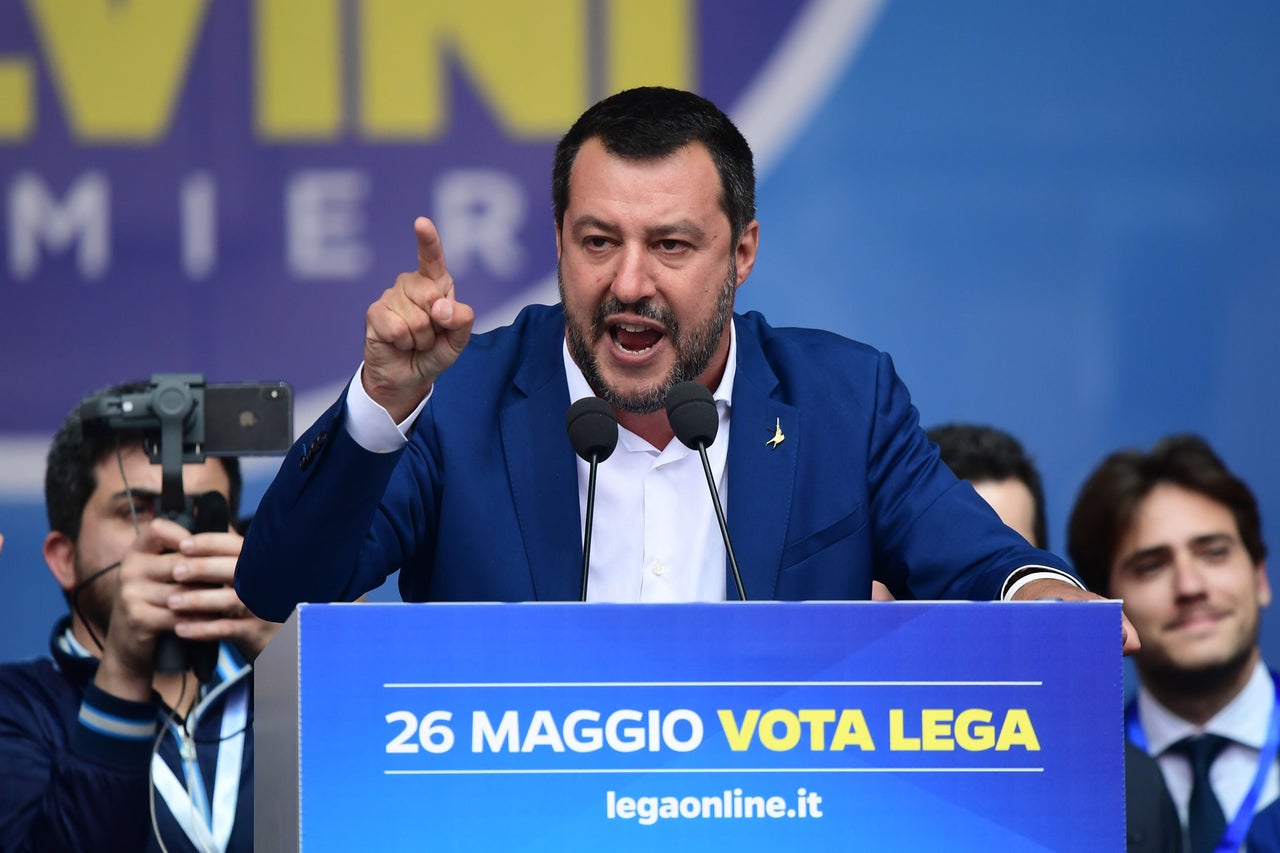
[593, 428]
[691, 411]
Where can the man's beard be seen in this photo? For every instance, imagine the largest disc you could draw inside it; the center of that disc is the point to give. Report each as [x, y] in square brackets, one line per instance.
[1202, 680]
[694, 349]
[94, 595]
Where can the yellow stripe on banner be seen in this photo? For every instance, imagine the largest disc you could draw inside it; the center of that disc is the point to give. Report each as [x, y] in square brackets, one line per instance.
[17, 101]
[299, 69]
[650, 43]
[118, 67]
[526, 60]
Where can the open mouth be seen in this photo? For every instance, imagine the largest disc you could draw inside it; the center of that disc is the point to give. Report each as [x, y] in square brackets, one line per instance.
[634, 337]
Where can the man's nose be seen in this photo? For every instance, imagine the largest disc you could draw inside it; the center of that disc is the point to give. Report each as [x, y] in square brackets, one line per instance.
[1188, 577]
[633, 279]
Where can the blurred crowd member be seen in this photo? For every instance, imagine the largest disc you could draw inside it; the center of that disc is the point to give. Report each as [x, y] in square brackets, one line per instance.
[1178, 537]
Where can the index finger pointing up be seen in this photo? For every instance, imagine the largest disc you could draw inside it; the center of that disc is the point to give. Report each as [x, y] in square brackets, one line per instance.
[430, 251]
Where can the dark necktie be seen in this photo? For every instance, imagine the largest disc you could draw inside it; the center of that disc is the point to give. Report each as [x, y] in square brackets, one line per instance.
[1205, 820]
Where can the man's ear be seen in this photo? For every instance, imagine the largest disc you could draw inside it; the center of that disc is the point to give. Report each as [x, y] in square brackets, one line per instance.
[745, 251]
[60, 555]
[1264, 586]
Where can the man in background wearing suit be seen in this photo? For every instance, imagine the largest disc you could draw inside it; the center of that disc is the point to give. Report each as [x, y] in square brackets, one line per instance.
[1178, 537]
[453, 467]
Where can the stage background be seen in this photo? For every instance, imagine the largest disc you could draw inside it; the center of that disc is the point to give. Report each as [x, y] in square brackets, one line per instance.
[1059, 218]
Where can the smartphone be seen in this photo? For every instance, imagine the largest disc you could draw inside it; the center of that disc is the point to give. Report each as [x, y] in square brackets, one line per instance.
[248, 418]
[237, 419]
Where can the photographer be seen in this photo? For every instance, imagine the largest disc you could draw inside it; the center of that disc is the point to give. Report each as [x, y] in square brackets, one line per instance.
[99, 749]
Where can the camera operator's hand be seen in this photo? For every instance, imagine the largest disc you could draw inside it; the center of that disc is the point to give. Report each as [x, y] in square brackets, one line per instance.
[140, 612]
[415, 330]
[164, 586]
[211, 610]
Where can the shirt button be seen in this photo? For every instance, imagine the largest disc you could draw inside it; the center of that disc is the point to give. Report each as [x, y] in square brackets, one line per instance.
[659, 568]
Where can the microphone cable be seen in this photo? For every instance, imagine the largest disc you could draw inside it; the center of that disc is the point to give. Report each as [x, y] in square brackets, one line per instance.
[155, 752]
[137, 531]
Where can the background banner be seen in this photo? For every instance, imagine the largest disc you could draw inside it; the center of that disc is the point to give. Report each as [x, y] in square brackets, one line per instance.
[1057, 218]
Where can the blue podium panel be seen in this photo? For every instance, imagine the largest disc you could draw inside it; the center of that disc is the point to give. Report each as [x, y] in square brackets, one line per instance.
[769, 726]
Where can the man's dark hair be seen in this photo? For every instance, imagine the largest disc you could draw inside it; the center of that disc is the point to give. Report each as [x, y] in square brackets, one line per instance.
[977, 453]
[1107, 501]
[69, 477]
[651, 122]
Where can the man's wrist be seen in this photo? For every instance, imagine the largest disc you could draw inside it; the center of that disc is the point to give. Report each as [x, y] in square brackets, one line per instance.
[1028, 574]
[370, 425]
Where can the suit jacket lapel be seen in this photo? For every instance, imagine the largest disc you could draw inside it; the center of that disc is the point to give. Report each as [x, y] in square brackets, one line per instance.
[542, 470]
[761, 472]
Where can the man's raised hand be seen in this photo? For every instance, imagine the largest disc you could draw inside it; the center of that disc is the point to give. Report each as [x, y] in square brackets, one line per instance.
[415, 330]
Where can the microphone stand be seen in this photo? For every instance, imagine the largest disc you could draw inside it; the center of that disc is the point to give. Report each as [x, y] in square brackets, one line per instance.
[691, 412]
[593, 432]
[586, 537]
[724, 528]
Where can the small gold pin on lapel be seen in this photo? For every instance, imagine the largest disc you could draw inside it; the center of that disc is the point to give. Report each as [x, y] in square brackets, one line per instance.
[778, 437]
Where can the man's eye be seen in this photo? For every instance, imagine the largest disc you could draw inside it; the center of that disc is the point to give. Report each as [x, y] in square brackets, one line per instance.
[1147, 569]
[671, 245]
[1216, 554]
[596, 242]
[141, 507]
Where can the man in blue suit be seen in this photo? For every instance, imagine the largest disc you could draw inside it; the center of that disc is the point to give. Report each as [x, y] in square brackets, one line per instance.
[454, 468]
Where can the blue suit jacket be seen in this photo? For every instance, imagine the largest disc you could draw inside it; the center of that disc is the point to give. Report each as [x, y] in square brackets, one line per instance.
[482, 504]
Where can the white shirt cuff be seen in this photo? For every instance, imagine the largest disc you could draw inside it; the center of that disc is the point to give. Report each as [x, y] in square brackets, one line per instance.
[370, 425]
[1025, 575]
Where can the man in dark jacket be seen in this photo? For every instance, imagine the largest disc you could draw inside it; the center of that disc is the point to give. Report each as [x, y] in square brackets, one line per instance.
[99, 750]
[1178, 536]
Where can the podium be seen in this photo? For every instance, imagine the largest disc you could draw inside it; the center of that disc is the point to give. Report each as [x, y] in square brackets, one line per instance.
[731, 726]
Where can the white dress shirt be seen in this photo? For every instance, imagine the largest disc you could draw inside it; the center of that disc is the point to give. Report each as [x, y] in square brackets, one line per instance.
[1244, 721]
[655, 536]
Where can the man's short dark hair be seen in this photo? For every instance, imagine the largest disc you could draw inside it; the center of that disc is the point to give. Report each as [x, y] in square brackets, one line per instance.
[1109, 498]
[69, 476]
[652, 122]
[976, 453]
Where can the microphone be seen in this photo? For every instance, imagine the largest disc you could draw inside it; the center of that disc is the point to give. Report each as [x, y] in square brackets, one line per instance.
[593, 432]
[691, 411]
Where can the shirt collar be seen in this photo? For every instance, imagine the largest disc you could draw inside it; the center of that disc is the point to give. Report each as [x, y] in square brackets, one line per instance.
[70, 645]
[1243, 720]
